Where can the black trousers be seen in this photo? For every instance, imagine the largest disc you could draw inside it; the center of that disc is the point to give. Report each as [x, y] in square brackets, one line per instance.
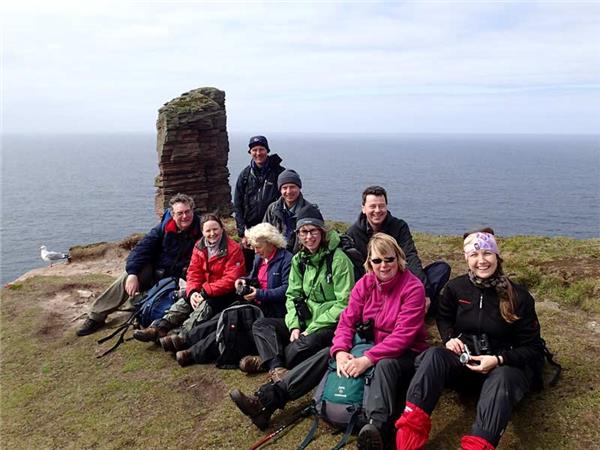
[272, 339]
[385, 395]
[500, 390]
[202, 341]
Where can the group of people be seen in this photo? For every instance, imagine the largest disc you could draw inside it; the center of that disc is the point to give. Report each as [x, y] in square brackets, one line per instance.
[295, 270]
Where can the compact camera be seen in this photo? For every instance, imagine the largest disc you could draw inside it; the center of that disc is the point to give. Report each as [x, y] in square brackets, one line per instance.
[465, 356]
[243, 288]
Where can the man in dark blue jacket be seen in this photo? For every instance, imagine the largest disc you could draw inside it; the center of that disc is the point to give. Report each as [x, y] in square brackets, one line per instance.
[165, 251]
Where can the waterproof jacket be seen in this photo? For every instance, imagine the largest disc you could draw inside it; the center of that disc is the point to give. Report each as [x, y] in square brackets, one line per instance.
[255, 190]
[467, 309]
[325, 296]
[272, 299]
[397, 308]
[216, 276]
[165, 248]
[278, 216]
[361, 232]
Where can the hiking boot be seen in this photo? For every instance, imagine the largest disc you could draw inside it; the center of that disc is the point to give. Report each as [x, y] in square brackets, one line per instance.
[369, 438]
[184, 358]
[89, 326]
[251, 364]
[253, 408]
[172, 343]
[150, 334]
[277, 374]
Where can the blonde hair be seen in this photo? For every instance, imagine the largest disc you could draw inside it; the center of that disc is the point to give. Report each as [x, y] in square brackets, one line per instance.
[382, 244]
[265, 233]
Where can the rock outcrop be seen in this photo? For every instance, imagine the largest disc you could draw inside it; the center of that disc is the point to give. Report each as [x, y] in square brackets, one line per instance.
[193, 150]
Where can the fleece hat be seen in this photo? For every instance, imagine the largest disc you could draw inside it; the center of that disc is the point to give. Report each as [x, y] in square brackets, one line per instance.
[289, 176]
[480, 241]
[310, 216]
[258, 140]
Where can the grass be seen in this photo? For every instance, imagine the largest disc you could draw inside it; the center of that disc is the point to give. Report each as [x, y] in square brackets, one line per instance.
[56, 394]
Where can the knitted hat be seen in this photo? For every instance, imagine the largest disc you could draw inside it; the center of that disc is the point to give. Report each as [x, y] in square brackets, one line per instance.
[289, 176]
[310, 216]
[258, 140]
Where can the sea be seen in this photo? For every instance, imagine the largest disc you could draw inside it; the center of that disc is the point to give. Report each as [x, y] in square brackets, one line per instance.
[62, 190]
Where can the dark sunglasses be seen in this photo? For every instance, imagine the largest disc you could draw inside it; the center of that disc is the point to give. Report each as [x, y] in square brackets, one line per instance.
[387, 259]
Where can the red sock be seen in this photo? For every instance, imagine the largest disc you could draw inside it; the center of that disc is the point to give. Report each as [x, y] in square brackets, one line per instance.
[413, 428]
[475, 443]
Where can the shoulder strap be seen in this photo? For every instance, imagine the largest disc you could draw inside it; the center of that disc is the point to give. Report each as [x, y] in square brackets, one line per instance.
[313, 429]
[120, 329]
[550, 357]
[349, 428]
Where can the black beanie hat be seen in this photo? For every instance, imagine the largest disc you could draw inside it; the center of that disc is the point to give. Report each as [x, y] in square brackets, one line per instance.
[289, 176]
[310, 215]
[258, 140]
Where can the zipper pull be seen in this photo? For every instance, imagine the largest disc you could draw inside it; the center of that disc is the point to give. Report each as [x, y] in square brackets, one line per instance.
[480, 300]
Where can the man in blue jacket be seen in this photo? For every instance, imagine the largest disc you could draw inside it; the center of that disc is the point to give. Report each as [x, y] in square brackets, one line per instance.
[165, 251]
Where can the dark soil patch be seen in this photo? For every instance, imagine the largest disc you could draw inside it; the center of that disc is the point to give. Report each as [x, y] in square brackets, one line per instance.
[52, 327]
[206, 390]
[571, 269]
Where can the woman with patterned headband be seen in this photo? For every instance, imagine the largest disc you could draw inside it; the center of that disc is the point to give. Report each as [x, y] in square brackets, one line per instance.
[492, 341]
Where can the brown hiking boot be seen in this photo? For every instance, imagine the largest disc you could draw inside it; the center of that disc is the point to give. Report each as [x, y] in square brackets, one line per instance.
[253, 408]
[277, 374]
[150, 334]
[172, 343]
[184, 358]
[251, 364]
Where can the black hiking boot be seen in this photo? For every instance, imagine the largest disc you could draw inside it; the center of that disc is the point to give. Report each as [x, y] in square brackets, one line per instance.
[172, 343]
[89, 326]
[253, 408]
[369, 438]
[184, 358]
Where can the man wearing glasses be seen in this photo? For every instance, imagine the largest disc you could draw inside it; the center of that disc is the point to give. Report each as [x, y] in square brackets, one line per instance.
[375, 218]
[165, 251]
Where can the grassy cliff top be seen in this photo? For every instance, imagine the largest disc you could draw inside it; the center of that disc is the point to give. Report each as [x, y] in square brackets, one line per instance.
[56, 394]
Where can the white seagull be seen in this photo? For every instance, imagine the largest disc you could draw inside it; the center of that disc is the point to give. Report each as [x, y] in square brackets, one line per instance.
[53, 256]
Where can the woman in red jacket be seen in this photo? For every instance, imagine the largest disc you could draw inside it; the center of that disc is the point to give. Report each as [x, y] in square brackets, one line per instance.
[217, 261]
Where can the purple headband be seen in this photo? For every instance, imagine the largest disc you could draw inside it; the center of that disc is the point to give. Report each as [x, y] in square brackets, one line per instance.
[480, 241]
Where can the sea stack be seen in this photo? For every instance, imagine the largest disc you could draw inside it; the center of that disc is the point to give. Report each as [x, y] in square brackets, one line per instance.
[193, 150]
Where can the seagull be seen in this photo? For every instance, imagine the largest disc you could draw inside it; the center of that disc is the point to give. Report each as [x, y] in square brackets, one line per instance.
[53, 256]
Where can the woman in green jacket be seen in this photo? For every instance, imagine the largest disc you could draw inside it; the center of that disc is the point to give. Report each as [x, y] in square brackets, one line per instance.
[320, 282]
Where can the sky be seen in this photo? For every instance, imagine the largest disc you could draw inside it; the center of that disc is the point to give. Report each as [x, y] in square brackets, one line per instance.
[289, 66]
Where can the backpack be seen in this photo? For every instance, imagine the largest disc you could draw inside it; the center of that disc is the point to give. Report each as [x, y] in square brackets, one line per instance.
[539, 371]
[340, 401]
[234, 334]
[349, 248]
[151, 306]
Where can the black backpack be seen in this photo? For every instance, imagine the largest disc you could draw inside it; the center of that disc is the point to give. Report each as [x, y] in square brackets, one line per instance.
[234, 334]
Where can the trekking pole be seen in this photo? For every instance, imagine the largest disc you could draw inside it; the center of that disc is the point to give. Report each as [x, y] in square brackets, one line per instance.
[305, 411]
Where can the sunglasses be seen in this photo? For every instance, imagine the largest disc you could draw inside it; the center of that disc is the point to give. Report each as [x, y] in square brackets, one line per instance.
[387, 259]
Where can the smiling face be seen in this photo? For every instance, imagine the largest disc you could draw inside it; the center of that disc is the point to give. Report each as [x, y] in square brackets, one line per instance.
[385, 266]
[182, 215]
[290, 193]
[259, 155]
[212, 231]
[310, 236]
[375, 208]
[483, 263]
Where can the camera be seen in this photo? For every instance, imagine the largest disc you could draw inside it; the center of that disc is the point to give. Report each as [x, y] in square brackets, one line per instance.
[481, 344]
[302, 310]
[243, 288]
[465, 356]
[365, 330]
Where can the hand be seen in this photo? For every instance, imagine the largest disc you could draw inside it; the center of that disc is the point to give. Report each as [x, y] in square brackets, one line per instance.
[341, 361]
[455, 345]
[356, 366]
[295, 334]
[252, 295]
[244, 242]
[195, 300]
[487, 363]
[132, 285]
[427, 303]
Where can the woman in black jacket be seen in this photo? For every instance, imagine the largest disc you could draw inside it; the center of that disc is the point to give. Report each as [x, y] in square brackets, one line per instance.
[492, 340]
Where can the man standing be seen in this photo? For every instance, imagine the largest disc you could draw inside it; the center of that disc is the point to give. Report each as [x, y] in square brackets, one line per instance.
[283, 213]
[376, 218]
[165, 251]
[256, 186]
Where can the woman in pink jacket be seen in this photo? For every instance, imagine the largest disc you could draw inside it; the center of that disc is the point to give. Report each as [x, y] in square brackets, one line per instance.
[390, 301]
